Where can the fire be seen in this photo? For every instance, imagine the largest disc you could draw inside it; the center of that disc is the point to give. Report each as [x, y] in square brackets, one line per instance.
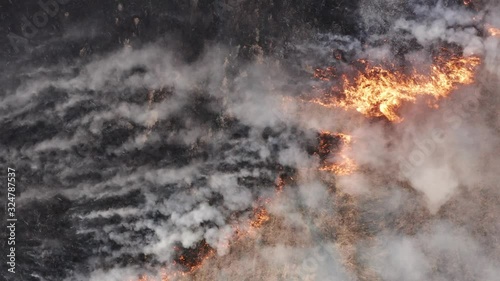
[344, 165]
[375, 92]
[380, 92]
[187, 264]
[261, 216]
[494, 31]
[347, 139]
[324, 74]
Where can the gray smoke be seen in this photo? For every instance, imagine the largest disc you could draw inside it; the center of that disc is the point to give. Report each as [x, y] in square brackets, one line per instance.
[134, 154]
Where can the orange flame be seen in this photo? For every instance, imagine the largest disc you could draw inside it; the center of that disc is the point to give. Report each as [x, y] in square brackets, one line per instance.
[494, 31]
[172, 274]
[324, 74]
[345, 165]
[380, 92]
[375, 93]
[280, 184]
[261, 216]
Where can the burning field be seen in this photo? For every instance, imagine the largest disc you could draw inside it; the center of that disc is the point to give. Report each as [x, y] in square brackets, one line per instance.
[252, 140]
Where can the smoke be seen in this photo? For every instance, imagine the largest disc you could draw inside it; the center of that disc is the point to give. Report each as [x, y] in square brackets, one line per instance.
[445, 252]
[151, 157]
[441, 156]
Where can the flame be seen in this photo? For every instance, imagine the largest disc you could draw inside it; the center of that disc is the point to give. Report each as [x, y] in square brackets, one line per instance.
[261, 216]
[380, 92]
[205, 252]
[195, 259]
[173, 272]
[324, 74]
[377, 92]
[347, 166]
[494, 31]
[344, 165]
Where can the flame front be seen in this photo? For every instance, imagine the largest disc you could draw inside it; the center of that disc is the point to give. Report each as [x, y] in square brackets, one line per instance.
[380, 92]
[343, 164]
[261, 216]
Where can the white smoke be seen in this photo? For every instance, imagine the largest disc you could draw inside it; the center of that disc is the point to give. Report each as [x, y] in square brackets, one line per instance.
[411, 174]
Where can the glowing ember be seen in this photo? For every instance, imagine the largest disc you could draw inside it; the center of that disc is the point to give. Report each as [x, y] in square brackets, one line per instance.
[380, 92]
[344, 165]
[324, 74]
[261, 216]
[494, 31]
[376, 92]
[193, 259]
[280, 184]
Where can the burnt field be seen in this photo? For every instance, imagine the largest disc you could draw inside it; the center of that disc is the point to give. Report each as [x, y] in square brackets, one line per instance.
[251, 140]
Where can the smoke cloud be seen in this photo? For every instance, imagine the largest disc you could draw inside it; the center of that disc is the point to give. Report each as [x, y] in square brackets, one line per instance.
[151, 147]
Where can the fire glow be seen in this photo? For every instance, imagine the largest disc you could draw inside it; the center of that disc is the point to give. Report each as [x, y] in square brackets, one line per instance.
[494, 31]
[343, 165]
[380, 92]
[200, 255]
[374, 92]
